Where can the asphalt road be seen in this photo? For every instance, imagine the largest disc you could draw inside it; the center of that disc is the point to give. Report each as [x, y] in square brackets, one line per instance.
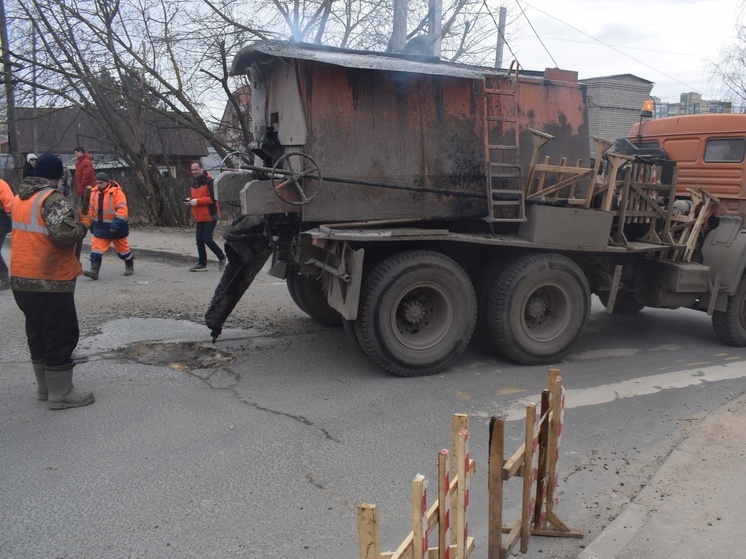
[263, 445]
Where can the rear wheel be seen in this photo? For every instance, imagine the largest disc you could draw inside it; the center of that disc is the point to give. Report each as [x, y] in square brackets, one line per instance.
[417, 313]
[308, 294]
[538, 308]
[730, 324]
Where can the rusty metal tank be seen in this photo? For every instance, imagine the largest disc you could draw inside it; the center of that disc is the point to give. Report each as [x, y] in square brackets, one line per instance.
[396, 136]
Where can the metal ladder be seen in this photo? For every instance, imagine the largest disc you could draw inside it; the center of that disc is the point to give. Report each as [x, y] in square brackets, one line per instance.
[505, 189]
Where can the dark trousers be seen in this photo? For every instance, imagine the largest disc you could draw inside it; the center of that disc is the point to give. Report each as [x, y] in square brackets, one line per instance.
[51, 325]
[205, 230]
[3, 265]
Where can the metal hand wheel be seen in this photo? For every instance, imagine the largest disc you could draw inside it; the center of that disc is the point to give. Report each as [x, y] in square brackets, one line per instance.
[302, 178]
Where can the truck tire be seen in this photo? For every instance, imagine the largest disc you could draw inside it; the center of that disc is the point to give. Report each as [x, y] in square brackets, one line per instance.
[538, 308]
[623, 305]
[308, 294]
[417, 313]
[484, 282]
[730, 324]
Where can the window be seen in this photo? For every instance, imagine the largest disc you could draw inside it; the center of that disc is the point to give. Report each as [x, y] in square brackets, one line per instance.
[167, 172]
[725, 150]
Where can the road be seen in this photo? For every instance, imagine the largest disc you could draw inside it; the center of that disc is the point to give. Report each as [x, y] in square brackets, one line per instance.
[263, 445]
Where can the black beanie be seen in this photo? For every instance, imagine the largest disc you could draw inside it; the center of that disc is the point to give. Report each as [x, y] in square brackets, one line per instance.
[48, 166]
[102, 177]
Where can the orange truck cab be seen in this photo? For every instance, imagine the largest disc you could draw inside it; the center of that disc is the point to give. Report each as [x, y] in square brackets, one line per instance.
[709, 152]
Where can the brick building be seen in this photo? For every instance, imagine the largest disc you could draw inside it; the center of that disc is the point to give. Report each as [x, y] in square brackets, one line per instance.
[614, 104]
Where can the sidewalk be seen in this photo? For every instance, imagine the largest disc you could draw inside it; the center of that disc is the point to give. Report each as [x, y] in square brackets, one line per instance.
[172, 243]
[692, 506]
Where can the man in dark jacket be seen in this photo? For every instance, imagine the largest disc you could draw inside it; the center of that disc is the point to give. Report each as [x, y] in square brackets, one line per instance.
[28, 167]
[43, 269]
[206, 214]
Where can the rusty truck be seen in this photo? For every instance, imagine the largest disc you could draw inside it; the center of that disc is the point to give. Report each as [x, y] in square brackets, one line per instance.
[419, 204]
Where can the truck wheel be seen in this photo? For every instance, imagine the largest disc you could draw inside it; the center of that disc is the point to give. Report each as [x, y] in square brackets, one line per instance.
[484, 282]
[624, 303]
[307, 293]
[538, 308]
[730, 325]
[417, 313]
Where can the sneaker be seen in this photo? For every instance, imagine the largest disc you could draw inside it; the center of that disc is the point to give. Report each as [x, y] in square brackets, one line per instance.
[221, 264]
[198, 268]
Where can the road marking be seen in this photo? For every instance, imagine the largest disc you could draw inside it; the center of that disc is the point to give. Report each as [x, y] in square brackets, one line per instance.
[576, 398]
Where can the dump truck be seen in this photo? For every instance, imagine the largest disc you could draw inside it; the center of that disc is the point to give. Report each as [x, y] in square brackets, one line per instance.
[419, 204]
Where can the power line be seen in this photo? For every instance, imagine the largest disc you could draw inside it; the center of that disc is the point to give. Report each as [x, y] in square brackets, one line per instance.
[604, 44]
[535, 33]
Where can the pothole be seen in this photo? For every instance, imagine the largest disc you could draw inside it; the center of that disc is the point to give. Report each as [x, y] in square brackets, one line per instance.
[182, 356]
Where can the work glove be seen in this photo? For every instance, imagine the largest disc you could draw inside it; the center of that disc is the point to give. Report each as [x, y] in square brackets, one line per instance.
[193, 202]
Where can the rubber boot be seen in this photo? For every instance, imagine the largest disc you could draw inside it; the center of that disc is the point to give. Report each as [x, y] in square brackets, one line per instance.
[129, 266]
[93, 272]
[41, 382]
[62, 393]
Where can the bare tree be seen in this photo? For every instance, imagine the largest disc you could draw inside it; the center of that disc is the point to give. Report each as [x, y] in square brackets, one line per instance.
[731, 69]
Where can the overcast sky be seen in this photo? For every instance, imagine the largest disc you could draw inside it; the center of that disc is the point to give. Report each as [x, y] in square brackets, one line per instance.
[669, 42]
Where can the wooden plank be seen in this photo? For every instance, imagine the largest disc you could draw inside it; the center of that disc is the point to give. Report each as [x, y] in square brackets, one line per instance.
[528, 463]
[460, 457]
[495, 487]
[541, 469]
[555, 388]
[444, 503]
[459, 422]
[368, 531]
[419, 517]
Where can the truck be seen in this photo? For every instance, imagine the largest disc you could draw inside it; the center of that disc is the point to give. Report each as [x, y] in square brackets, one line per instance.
[419, 204]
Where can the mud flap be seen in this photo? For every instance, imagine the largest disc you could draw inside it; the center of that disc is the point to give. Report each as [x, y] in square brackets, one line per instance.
[247, 251]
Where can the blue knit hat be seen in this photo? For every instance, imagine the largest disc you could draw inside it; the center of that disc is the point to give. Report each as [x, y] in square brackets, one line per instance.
[48, 166]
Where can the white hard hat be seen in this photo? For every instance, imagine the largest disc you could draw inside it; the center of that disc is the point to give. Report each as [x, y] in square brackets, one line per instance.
[30, 156]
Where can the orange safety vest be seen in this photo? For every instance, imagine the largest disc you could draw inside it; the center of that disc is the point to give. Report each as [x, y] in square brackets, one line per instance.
[114, 201]
[34, 254]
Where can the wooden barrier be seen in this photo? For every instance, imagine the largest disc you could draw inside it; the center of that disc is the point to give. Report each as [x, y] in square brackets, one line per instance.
[448, 513]
[539, 477]
[535, 462]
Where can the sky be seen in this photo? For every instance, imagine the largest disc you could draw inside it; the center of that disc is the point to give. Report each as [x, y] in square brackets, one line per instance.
[668, 42]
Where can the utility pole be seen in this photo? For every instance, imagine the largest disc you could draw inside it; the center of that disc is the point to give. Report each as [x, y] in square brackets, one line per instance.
[399, 31]
[8, 82]
[500, 37]
[435, 26]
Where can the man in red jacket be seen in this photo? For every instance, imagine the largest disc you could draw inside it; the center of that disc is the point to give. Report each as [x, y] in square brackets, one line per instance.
[84, 174]
[206, 214]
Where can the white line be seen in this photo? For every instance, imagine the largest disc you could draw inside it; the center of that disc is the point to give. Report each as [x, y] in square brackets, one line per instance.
[635, 387]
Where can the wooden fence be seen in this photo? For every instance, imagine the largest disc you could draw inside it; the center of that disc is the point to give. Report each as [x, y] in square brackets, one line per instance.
[535, 462]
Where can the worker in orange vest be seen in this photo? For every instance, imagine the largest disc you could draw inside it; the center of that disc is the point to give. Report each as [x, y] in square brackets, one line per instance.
[109, 211]
[43, 270]
[6, 197]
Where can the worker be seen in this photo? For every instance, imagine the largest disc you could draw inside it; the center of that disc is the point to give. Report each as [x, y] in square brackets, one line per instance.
[206, 214]
[6, 197]
[28, 167]
[110, 225]
[84, 173]
[43, 270]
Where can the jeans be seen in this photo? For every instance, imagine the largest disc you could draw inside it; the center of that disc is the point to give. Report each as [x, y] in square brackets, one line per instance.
[205, 230]
[51, 325]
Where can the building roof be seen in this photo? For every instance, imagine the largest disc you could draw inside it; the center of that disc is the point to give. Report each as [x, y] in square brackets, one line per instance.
[617, 77]
[63, 129]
